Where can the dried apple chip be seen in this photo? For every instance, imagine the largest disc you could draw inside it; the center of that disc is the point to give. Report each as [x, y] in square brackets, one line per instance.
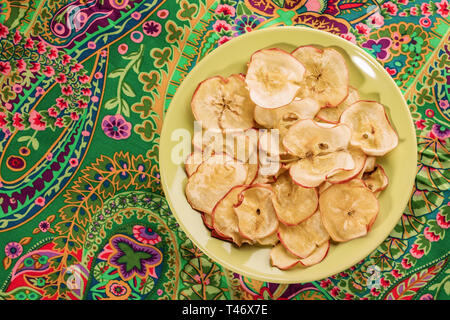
[223, 103]
[376, 179]
[273, 77]
[256, 214]
[284, 260]
[326, 77]
[348, 210]
[333, 114]
[371, 129]
[359, 158]
[212, 180]
[301, 240]
[293, 203]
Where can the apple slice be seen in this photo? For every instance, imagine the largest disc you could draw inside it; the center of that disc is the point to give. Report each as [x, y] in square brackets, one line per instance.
[359, 158]
[310, 172]
[371, 129]
[298, 109]
[308, 138]
[293, 204]
[256, 215]
[212, 180]
[301, 240]
[348, 210]
[224, 219]
[273, 77]
[332, 115]
[281, 258]
[223, 103]
[326, 77]
[376, 180]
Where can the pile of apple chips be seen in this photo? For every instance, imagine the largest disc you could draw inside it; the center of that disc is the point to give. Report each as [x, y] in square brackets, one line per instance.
[286, 155]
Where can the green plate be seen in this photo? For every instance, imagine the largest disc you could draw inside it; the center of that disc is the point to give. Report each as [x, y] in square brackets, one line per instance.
[373, 83]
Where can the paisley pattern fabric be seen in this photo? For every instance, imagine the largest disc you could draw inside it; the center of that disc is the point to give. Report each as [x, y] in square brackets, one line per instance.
[84, 86]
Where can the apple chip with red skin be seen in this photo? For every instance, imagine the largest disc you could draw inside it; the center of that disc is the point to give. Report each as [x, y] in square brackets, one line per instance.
[202, 189]
[225, 220]
[281, 258]
[256, 215]
[223, 103]
[273, 77]
[293, 203]
[376, 179]
[359, 158]
[321, 149]
[371, 129]
[326, 78]
[301, 240]
[333, 114]
[348, 210]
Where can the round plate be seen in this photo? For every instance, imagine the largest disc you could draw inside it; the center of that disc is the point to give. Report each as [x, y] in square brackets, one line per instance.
[373, 83]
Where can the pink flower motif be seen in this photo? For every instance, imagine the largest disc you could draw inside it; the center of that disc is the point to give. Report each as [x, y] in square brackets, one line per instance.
[152, 28]
[35, 66]
[17, 37]
[49, 156]
[73, 162]
[17, 88]
[74, 116]
[52, 112]
[59, 123]
[2, 120]
[123, 48]
[443, 8]
[77, 67]
[376, 20]
[98, 75]
[335, 291]
[416, 252]
[66, 59]
[61, 78]
[84, 78]
[443, 104]
[21, 65]
[91, 45]
[29, 44]
[431, 236]
[349, 296]
[53, 54]
[86, 92]
[4, 31]
[405, 2]
[425, 22]
[18, 121]
[224, 39]
[220, 25]
[82, 104]
[49, 71]
[390, 7]
[136, 15]
[44, 226]
[13, 249]
[36, 122]
[67, 91]
[405, 264]
[425, 8]
[226, 10]
[61, 103]
[442, 221]
[420, 124]
[362, 29]
[396, 274]
[375, 292]
[413, 11]
[384, 283]
[5, 68]
[116, 127]
[41, 47]
[349, 37]
[40, 201]
[162, 14]
[325, 283]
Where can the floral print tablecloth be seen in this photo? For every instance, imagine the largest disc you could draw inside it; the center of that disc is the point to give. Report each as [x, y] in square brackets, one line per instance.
[84, 86]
